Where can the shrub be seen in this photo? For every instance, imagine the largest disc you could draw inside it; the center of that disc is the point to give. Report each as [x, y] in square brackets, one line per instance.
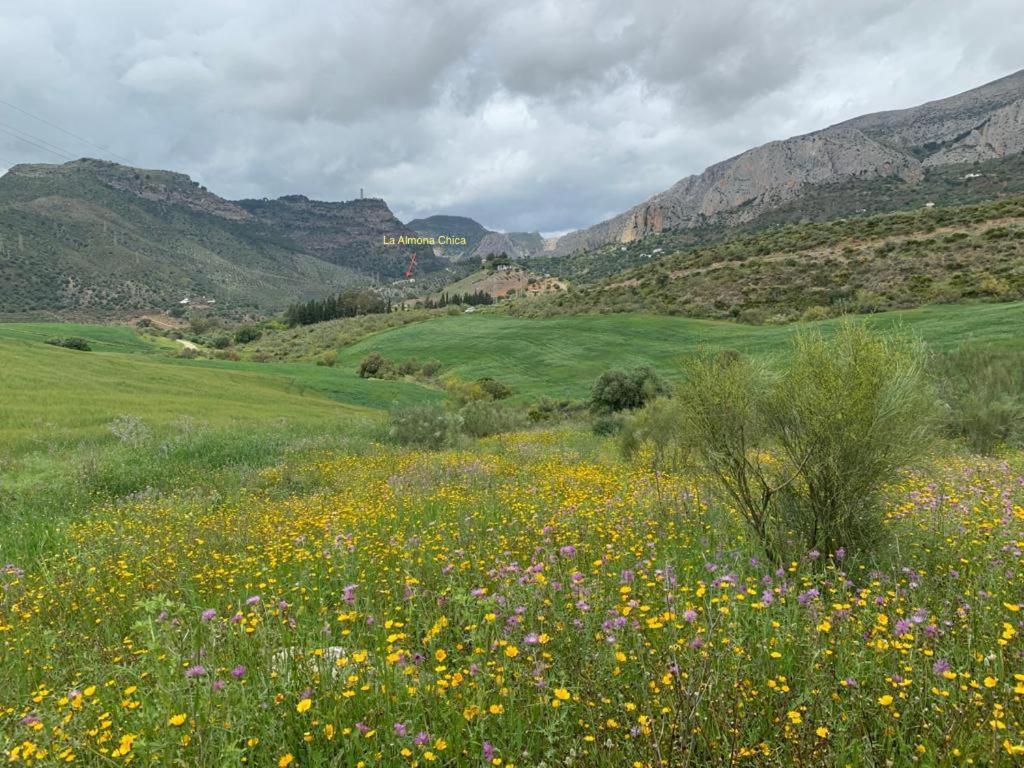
[247, 333]
[374, 366]
[221, 342]
[984, 391]
[424, 426]
[408, 368]
[621, 390]
[606, 424]
[494, 389]
[430, 369]
[74, 342]
[808, 450]
[328, 358]
[481, 418]
[652, 435]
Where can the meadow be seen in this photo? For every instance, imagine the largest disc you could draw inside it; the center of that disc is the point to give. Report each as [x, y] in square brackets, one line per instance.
[244, 573]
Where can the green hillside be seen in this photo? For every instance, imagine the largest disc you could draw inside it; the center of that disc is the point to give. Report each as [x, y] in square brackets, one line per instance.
[859, 201]
[54, 395]
[561, 357]
[862, 264]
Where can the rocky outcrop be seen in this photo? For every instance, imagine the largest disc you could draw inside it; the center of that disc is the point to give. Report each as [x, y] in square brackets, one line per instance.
[480, 242]
[353, 233]
[981, 124]
[159, 186]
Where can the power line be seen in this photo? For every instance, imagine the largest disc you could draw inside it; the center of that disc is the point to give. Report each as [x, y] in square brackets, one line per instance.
[65, 131]
[52, 147]
[34, 144]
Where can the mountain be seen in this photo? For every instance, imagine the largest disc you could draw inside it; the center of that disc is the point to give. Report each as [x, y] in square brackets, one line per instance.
[92, 239]
[985, 123]
[480, 242]
[440, 227]
[348, 234]
[932, 255]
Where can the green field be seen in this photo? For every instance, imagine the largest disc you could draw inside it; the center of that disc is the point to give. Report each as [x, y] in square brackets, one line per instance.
[55, 396]
[562, 356]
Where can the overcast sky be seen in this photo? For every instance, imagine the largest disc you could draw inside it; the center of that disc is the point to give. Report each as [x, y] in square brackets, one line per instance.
[525, 115]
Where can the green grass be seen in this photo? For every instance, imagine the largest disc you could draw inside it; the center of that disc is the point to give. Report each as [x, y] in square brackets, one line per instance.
[561, 357]
[50, 392]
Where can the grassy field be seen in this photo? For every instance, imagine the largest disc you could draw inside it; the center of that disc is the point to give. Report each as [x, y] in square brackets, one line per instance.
[526, 601]
[561, 357]
[54, 394]
[209, 562]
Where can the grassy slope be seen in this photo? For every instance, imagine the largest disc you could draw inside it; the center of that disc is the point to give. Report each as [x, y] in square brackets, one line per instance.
[562, 356]
[53, 395]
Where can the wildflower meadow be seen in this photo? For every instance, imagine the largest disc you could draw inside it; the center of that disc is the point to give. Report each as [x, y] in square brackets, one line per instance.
[531, 601]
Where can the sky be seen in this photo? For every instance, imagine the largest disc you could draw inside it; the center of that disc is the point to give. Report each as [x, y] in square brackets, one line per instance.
[527, 116]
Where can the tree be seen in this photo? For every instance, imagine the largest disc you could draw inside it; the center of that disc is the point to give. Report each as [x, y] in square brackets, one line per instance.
[808, 449]
[618, 390]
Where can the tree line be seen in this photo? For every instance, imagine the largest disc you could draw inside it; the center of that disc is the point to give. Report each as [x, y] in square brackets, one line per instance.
[472, 299]
[348, 303]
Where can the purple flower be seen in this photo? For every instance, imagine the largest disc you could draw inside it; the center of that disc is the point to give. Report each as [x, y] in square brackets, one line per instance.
[218, 684]
[238, 672]
[805, 597]
[400, 729]
[567, 551]
[421, 738]
[488, 751]
[689, 615]
[254, 600]
[767, 597]
[940, 666]
[348, 594]
[532, 639]
[840, 554]
[209, 614]
[197, 671]
[362, 728]
[902, 627]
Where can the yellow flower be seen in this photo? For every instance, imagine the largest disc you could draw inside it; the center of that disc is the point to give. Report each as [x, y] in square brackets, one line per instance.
[990, 682]
[496, 709]
[285, 761]
[562, 694]
[511, 651]
[303, 705]
[177, 720]
[440, 654]
[885, 700]
[794, 717]
[822, 732]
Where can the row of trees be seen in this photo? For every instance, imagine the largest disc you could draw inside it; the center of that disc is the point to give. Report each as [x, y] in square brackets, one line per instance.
[348, 303]
[479, 298]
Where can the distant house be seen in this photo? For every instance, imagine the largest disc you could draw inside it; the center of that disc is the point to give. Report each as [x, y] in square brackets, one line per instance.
[184, 301]
[469, 309]
[929, 204]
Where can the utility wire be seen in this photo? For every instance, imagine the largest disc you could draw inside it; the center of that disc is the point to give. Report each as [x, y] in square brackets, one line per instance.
[65, 131]
[34, 144]
[39, 139]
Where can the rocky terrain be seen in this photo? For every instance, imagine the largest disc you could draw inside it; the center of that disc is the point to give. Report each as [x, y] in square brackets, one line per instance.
[480, 242]
[982, 124]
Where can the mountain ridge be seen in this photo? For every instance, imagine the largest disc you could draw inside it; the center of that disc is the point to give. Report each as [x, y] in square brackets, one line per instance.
[980, 124]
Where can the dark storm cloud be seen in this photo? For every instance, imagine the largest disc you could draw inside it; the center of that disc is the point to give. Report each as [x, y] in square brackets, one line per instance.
[530, 115]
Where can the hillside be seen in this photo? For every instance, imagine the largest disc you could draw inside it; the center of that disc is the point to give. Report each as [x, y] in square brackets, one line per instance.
[863, 264]
[93, 239]
[348, 234]
[562, 357]
[982, 124]
[480, 242]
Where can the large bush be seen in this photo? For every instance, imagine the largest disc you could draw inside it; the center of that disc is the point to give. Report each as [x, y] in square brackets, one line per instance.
[424, 426]
[481, 418]
[806, 450]
[618, 390]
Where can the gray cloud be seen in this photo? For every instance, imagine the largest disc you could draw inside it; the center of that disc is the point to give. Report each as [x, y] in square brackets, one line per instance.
[534, 115]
